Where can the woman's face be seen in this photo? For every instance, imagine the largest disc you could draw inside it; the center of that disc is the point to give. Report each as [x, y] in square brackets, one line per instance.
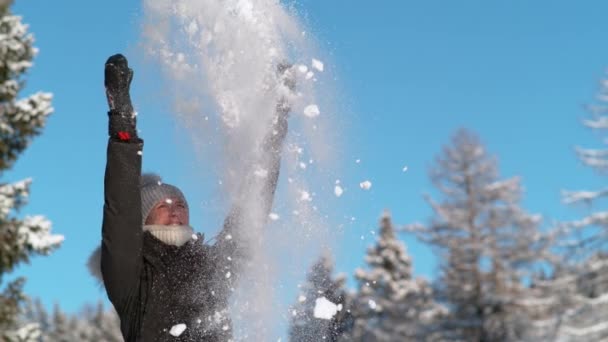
[169, 212]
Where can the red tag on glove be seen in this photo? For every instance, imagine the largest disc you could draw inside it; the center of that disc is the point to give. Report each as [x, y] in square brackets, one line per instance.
[124, 136]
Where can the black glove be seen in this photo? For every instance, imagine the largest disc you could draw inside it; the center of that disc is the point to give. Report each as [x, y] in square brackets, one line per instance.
[117, 81]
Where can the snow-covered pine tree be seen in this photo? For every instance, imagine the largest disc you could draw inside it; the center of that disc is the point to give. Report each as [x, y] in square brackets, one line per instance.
[319, 297]
[587, 241]
[105, 324]
[591, 229]
[92, 324]
[546, 303]
[20, 121]
[487, 243]
[391, 305]
[64, 328]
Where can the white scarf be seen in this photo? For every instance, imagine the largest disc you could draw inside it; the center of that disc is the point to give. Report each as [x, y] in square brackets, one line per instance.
[171, 235]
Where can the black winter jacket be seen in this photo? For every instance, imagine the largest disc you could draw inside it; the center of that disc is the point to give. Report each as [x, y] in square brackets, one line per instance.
[154, 286]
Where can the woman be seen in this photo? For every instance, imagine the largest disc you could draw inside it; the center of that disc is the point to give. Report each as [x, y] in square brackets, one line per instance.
[165, 283]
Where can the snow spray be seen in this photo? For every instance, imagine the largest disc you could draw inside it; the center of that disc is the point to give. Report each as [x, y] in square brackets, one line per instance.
[220, 59]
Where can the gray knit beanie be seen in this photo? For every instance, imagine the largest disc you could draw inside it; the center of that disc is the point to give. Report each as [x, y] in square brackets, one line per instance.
[153, 190]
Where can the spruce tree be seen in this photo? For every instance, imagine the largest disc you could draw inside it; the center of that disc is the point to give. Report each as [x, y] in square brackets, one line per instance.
[308, 322]
[488, 245]
[92, 324]
[586, 243]
[392, 305]
[21, 119]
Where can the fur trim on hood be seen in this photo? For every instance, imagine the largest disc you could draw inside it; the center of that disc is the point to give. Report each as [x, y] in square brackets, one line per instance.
[94, 265]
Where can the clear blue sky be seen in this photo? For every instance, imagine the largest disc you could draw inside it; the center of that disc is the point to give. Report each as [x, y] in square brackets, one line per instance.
[410, 73]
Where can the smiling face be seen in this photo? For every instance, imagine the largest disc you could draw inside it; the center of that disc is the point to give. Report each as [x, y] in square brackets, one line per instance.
[169, 212]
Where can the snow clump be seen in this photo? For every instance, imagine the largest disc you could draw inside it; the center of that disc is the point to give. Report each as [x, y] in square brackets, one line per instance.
[312, 111]
[366, 185]
[317, 64]
[177, 329]
[324, 309]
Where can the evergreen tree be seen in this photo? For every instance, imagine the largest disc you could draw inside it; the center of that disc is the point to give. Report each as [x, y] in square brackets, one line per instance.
[20, 121]
[586, 316]
[487, 243]
[63, 327]
[92, 324]
[320, 289]
[591, 233]
[390, 304]
[105, 324]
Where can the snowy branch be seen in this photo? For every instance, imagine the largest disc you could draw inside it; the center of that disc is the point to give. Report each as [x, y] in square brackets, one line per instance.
[600, 122]
[570, 197]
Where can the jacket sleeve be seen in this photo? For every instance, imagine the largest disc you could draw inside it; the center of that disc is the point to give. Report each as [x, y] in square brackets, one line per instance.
[122, 236]
[231, 246]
